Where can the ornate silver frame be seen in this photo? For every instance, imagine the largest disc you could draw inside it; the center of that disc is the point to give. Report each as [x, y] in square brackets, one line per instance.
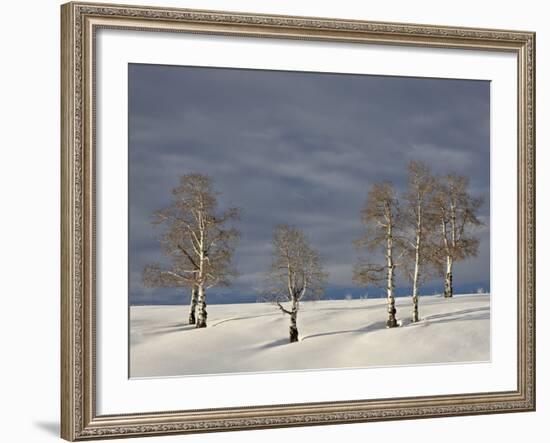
[80, 21]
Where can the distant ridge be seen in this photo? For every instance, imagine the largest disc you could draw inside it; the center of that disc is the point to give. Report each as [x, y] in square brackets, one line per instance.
[167, 297]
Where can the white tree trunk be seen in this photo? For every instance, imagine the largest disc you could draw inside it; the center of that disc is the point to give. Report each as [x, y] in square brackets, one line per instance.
[449, 278]
[417, 246]
[416, 275]
[201, 305]
[391, 322]
[293, 330]
[193, 305]
[201, 320]
[449, 272]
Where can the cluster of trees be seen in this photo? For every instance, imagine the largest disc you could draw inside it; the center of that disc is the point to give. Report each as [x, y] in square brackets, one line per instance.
[424, 235]
[200, 243]
[425, 232]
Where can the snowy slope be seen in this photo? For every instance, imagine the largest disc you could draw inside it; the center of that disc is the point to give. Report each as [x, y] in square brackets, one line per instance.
[333, 334]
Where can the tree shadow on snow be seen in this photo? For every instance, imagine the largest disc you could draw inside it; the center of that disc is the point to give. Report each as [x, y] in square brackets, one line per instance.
[273, 344]
[247, 317]
[461, 314]
[369, 328]
[176, 327]
[481, 313]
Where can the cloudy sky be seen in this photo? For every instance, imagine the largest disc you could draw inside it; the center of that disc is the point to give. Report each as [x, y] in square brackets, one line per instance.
[297, 148]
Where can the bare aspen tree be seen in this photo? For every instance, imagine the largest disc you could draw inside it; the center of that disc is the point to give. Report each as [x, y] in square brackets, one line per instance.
[456, 212]
[198, 241]
[381, 219]
[419, 221]
[296, 273]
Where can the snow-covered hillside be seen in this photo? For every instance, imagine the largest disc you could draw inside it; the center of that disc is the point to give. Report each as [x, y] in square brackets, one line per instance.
[333, 334]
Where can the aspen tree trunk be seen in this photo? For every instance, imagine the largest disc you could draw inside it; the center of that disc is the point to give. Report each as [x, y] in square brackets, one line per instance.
[449, 278]
[415, 283]
[417, 262]
[448, 285]
[293, 330]
[193, 305]
[449, 273]
[391, 322]
[201, 318]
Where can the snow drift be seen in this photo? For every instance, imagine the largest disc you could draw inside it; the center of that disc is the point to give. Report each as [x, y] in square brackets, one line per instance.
[333, 334]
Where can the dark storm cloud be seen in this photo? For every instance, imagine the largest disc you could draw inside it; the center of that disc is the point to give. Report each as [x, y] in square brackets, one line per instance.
[297, 148]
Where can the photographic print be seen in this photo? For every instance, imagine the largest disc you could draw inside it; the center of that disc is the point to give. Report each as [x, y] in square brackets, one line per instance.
[284, 221]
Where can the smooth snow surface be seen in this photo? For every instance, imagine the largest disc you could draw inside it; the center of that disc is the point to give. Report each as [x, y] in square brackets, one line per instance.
[333, 334]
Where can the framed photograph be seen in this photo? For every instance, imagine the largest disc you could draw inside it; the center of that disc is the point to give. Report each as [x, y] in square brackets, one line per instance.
[277, 221]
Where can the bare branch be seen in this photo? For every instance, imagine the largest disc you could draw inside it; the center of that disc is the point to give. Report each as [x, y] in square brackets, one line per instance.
[286, 311]
[296, 271]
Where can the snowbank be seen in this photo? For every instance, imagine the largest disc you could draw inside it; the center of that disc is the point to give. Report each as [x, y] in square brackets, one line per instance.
[333, 334]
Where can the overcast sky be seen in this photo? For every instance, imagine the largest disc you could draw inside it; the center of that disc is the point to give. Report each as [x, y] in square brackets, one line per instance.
[297, 148]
